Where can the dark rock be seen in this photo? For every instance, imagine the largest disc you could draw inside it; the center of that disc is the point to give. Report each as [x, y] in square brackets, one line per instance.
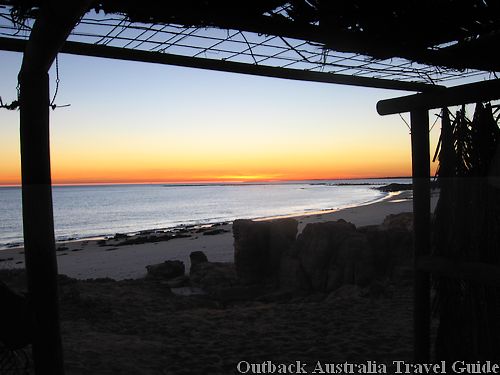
[154, 238]
[213, 276]
[282, 236]
[317, 245]
[166, 270]
[324, 257]
[329, 255]
[197, 257]
[200, 230]
[403, 220]
[213, 232]
[251, 246]
[394, 187]
[258, 247]
[391, 247]
[351, 264]
[291, 275]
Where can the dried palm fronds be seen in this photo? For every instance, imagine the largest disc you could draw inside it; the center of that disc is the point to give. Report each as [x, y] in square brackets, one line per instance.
[467, 228]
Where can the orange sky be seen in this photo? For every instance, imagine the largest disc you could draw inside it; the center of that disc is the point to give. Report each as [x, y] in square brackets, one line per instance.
[129, 159]
[101, 167]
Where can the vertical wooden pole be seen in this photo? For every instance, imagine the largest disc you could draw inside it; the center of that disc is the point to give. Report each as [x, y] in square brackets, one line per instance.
[38, 224]
[421, 214]
[54, 22]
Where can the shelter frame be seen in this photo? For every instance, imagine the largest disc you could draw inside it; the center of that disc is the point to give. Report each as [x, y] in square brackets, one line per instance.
[426, 265]
[47, 39]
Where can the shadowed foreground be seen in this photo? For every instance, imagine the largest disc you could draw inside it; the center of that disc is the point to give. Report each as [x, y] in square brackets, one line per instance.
[140, 327]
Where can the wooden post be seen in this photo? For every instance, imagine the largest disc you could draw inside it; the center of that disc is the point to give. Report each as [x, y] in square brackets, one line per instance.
[55, 20]
[421, 214]
[38, 224]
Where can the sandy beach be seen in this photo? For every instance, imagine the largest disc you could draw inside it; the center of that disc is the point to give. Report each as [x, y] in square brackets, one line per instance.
[87, 259]
[138, 326]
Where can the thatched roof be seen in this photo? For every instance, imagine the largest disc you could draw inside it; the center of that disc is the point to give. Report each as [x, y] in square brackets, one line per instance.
[416, 30]
[426, 41]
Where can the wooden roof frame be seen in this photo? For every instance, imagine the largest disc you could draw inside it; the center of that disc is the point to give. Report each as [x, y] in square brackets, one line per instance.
[84, 49]
[460, 41]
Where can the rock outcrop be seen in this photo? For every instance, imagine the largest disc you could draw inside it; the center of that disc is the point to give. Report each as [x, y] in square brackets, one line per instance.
[325, 256]
[402, 220]
[317, 247]
[210, 276]
[167, 270]
[258, 247]
[197, 257]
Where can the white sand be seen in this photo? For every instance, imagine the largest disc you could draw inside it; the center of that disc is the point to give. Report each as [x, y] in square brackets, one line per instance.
[124, 262]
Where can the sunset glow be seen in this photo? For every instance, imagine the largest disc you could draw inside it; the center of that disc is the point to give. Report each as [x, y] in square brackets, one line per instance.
[184, 125]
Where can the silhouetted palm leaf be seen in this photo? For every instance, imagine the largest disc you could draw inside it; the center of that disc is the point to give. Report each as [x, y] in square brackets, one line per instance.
[467, 228]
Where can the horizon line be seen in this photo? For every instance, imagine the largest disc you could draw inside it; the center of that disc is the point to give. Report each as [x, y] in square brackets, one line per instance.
[210, 182]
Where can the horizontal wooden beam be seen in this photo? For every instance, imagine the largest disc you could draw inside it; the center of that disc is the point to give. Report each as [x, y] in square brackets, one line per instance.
[483, 273]
[442, 97]
[85, 49]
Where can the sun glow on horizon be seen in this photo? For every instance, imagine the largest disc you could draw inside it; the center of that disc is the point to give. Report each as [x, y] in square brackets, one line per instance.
[74, 169]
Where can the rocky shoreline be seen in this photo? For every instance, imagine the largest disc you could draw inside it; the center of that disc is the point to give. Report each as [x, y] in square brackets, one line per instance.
[308, 300]
[269, 257]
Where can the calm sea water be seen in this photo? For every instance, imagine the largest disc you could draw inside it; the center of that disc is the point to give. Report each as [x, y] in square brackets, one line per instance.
[91, 211]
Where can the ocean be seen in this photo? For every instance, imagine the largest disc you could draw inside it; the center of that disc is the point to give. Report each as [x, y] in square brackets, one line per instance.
[103, 210]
